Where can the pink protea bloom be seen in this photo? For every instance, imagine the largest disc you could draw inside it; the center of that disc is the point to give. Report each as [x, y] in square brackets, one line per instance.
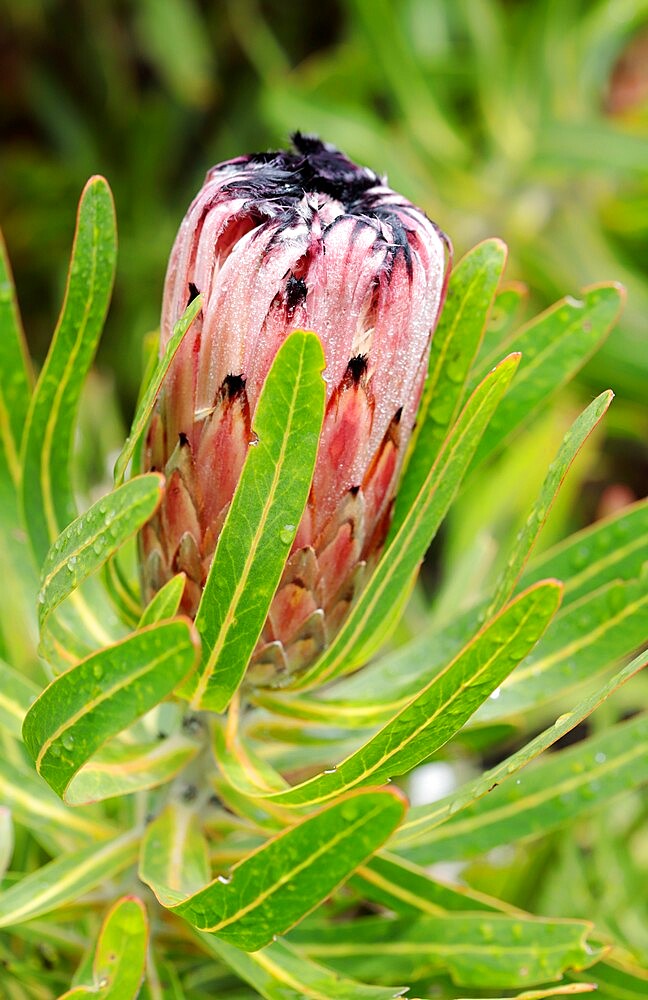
[277, 242]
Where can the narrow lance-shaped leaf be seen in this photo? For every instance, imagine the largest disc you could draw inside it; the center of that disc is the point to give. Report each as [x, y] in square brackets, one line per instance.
[401, 558]
[66, 879]
[35, 806]
[614, 548]
[147, 402]
[47, 491]
[103, 695]
[556, 790]
[444, 705]
[165, 603]
[470, 295]
[16, 695]
[478, 950]
[571, 445]
[121, 768]
[6, 839]
[272, 889]
[421, 820]
[86, 544]
[281, 967]
[262, 520]
[120, 954]
[15, 380]
[554, 346]
[583, 639]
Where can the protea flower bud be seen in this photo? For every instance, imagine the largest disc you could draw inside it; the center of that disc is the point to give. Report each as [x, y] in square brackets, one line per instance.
[277, 242]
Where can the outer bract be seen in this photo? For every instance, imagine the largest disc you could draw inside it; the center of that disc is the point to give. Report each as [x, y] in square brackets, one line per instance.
[277, 242]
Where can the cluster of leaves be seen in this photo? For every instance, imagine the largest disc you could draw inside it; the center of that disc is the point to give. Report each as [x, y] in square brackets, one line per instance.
[184, 834]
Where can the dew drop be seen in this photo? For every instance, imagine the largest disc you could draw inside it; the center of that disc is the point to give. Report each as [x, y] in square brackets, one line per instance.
[68, 742]
[287, 533]
[71, 564]
[329, 770]
[496, 693]
[41, 597]
[600, 757]
[97, 670]
[224, 879]
[55, 750]
[562, 719]
[254, 440]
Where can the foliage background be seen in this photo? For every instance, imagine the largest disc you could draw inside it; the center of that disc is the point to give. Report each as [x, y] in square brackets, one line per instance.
[526, 120]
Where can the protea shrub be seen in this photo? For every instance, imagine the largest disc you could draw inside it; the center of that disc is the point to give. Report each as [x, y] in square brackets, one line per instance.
[214, 697]
[277, 242]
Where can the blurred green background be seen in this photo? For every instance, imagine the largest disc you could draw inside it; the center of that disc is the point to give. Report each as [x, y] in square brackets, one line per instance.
[526, 119]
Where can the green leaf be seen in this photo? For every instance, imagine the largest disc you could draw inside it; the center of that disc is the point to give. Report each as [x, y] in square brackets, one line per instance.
[121, 592]
[66, 879]
[165, 603]
[568, 989]
[583, 640]
[487, 951]
[443, 706]
[402, 556]
[175, 853]
[471, 291]
[554, 346]
[120, 954]
[15, 380]
[6, 840]
[262, 520]
[503, 320]
[421, 820]
[119, 769]
[240, 766]
[615, 548]
[104, 694]
[86, 544]
[16, 695]
[35, 806]
[147, 402]
[620, 979]
[47, 490]
[281, 971]
[571, 445]
[272, 889]
[558, 789]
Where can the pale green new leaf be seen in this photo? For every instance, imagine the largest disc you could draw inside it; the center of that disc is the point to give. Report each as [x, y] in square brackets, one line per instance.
[262, 520]
[67, 878]
[47, 491]
[272, 889]
[104, 694]
[438, 711]
[147, 402]
[86, 544]
[120, 954]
